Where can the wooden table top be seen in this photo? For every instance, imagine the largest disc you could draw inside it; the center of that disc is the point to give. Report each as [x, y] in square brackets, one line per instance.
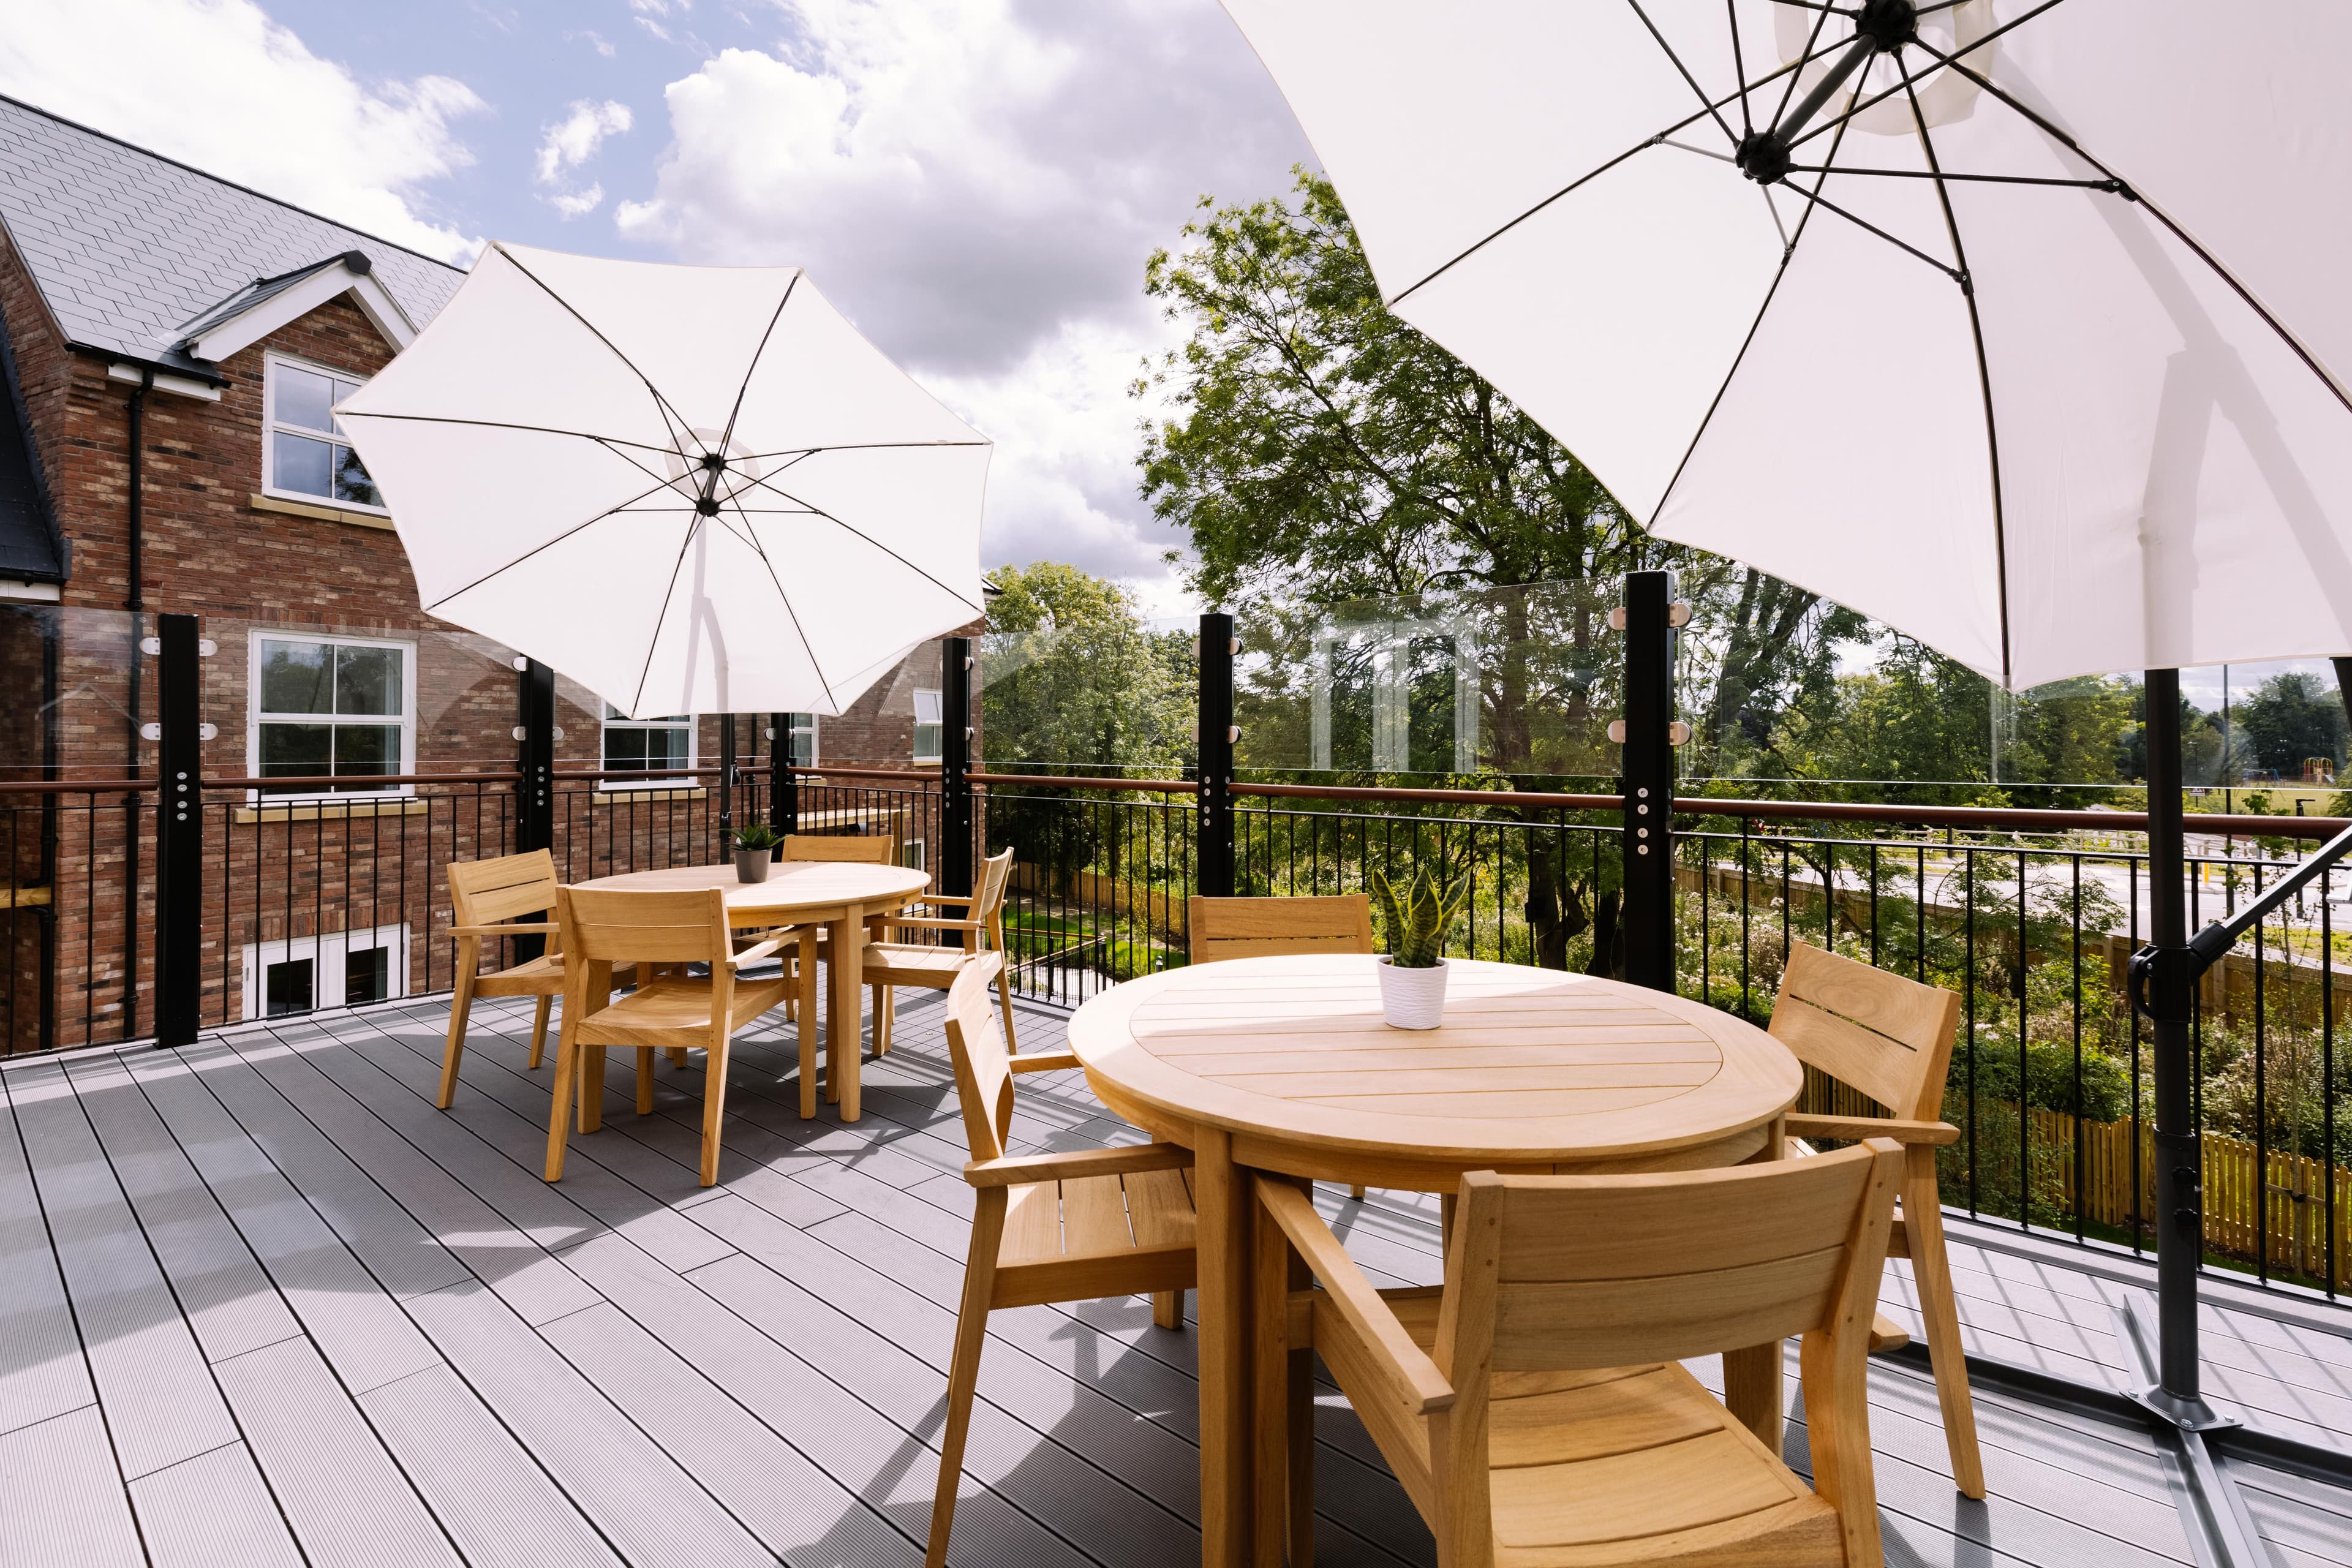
[1530, 1067]
[792, 886]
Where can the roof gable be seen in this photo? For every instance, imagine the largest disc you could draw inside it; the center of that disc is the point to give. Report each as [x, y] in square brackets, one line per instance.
[266, 304]
[129, 249]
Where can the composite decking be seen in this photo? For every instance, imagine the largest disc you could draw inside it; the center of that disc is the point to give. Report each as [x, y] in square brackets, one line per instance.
[260, 1303]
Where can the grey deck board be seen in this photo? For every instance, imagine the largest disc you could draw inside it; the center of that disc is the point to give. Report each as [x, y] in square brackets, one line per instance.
[343, 1494]
[62, 1500]
[162, 1403]
[210, 1509]
[42, 1372]
[431, 1355]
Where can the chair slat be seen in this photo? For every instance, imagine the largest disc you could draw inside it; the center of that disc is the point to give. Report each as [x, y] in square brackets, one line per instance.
[1626, 1227]
[1218, 929]
[842, 847]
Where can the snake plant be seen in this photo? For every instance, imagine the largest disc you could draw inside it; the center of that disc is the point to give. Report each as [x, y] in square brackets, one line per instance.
[1419, 918]
[759, 836]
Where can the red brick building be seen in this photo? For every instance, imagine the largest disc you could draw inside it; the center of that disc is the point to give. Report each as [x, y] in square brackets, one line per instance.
[173, 344]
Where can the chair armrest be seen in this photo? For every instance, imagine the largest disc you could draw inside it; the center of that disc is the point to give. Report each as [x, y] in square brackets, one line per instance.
[1860, 1127]
[964, 899]
[930, 924]
[1414, 1381]
[1020, 1170]
[530, 928]
[751, 955]
[1043, 1061]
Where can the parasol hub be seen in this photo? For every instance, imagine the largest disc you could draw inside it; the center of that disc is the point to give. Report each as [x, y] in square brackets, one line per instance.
[1888, 24]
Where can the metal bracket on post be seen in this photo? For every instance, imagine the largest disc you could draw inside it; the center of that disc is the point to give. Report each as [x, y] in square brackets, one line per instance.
[1649, 735]
[179, 833]
[1213, 853]
[952, 869]
[783, 784]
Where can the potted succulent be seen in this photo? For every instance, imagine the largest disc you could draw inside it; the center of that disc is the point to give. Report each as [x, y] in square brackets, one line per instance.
[755, 852]
[1412, 975]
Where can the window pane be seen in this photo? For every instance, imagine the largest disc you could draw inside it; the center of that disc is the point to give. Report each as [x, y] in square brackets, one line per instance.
[611, 713]
[367, 748]
[625, 749]
[367, 680]
[351, 481]
[927, 743]
[367, 976]
[300, 465]
[296, 750]
[294, 676]
[926, 707]
[344, 389]
[666, 747]
[302, 397]
[286, 987]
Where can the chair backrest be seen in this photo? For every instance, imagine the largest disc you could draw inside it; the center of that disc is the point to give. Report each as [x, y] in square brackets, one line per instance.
[1889, 1038]
[608, 926]
[856, 848]
[1258, 928]
[983, 1071]
[1565, 1273]
[994, 873]
[485, 892]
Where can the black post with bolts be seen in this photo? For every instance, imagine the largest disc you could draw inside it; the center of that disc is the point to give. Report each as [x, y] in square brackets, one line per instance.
[1214, 850]
[783, 784]
[535, 795]
[726, 785]
[953, 870]
[179, 833]
[1648, 769]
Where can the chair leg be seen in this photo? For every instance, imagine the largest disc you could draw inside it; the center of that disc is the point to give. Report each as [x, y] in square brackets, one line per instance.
[804, 1008]
[1923, 1223]
[1357, 1192]
[559, 1114]
[539, 1032]
[1167, 1309]
[714, 1111]
[678, 1056]
[645, 1081]
[1004, 1002]
[460, 1005]
[964, 1366]
[592, 1087]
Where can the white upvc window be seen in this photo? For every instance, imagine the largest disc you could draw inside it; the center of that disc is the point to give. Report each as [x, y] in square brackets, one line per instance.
[928, 727]
[305, 454]
[336, 969]
[799, 738]
[641, 753]
[324, 705]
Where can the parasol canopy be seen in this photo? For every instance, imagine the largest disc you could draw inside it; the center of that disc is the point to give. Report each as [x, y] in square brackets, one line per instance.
[692, 489]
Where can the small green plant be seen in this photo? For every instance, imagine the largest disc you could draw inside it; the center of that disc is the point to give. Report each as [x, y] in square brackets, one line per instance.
[759, 836]
[1418, 920]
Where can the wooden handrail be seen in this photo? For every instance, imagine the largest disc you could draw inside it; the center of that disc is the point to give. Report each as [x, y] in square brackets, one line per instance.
[1055, 781]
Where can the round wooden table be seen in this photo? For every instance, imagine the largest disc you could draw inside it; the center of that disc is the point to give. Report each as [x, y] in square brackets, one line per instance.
[839, 895]
[1284, 1065]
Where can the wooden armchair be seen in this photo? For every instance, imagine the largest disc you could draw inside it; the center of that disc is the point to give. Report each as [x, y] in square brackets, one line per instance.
[1263, 928]
[1532, 1407]
[1891, 1040]
[485, 895]
[937, 963]
[1046, 1227]
[669, 1010]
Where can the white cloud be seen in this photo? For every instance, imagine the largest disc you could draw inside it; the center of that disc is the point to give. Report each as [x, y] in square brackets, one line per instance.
[977, 183]
[594, 39]
[280, 118]
[572, 141]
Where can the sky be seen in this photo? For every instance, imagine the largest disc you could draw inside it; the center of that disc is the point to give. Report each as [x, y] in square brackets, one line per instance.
[975, 182]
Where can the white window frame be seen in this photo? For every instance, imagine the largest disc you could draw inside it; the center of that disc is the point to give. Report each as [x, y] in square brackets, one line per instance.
[269, 428]
[793, 731]
[938, 700]
[625, 784]
[255, 718]
[328, 953]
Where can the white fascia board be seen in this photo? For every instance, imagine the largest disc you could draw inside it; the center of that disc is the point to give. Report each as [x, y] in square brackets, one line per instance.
[249, 327]
[178, 385]
[22, 591]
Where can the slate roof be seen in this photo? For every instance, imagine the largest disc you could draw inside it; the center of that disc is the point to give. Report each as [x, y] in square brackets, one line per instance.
[128, 246]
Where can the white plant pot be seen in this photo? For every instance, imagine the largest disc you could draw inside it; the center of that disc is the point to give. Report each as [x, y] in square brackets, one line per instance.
[1412, 998]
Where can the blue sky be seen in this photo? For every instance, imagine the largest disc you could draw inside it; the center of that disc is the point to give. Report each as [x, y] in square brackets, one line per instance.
[976, 182]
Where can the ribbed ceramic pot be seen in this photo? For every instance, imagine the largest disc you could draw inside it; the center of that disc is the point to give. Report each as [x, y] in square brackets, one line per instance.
[1412, 998]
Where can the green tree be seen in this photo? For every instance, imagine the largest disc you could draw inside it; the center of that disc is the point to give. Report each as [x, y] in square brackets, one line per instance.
[2290, 716]
[1072, 676]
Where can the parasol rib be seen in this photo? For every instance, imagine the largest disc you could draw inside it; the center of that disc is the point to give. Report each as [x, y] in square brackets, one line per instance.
[549, 544]
[752, 369]
[1713, 112]
[2310, 360]
[1877, 98]
[653, 643]
[1738, 66]
[1984, 365]
[815, 510]
[1956, 275]
[503, 425]
[671, 418]
[791, 613]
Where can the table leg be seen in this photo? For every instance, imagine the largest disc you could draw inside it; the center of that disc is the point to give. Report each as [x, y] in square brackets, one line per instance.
[842, 1046]
[806, 1007]
[1222, 1198]
[1752, 1378]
